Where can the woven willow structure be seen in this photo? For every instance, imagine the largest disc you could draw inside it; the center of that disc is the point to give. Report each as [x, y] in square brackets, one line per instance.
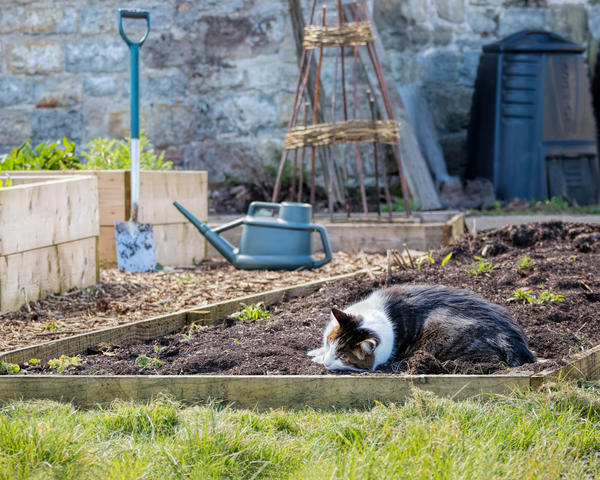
[345, 35]
[351, 131]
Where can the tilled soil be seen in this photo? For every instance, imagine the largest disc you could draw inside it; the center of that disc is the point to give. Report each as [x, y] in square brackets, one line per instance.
[564, 260]
[123, 297]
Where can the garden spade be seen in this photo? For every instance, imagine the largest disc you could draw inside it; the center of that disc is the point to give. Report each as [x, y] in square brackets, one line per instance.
[134, 241]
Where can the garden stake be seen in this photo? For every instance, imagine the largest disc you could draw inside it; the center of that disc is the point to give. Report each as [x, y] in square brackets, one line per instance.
[361, 180]
[134, 241]
[386, 189]
[405, 246]
[297, 101]
[315, 118]
[340, 15]
[301, 180]
[293, 187]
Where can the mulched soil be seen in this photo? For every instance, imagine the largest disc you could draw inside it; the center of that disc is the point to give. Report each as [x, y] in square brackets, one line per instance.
[565, 260]
[123, 297]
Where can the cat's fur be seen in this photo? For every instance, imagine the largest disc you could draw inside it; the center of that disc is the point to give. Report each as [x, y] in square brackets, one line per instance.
[449, 323]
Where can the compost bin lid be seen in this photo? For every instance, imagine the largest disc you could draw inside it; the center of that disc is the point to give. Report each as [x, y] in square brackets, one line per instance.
[534, 41]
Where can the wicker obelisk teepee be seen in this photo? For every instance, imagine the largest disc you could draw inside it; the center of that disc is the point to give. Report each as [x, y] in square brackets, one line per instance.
[308, 136]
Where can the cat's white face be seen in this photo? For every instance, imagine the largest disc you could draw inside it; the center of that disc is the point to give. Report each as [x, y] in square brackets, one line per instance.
[346, 346]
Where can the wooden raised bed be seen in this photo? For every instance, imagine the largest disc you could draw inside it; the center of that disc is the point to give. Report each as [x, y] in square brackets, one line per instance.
[423, 231]
[48, 237]
[176, 240]
[317, 391]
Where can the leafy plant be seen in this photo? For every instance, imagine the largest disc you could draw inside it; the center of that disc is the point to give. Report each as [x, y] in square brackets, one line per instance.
[34, 361]
[186, 337]
[107, 153]
[64, 362]
[148, 363]
[46, 156]
[250, 312]
[398, 206]
[480, 267]
[51, 327]
[422, 259]
[446, 259]
[526, 295]
[7, 368]
[524, 262]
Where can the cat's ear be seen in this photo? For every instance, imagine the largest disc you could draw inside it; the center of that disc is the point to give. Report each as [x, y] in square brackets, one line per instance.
[366, 347]
[344, 319]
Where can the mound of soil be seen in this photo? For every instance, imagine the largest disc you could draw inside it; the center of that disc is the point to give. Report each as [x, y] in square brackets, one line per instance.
[560, 258]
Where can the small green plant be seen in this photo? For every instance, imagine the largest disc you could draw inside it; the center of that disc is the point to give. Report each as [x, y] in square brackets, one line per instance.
[34, 361]
[524, 262]
[398, 206]
[235, 341]
[51, 327]
[186, 337]
[157, 348]
[148, 363]
[64, 362]
[107, 153]
[250, 312]
[526, 295]
[188, 278]
[446, 259]
[480, 267]
[7, 368]
[46, 156]
[422, 259]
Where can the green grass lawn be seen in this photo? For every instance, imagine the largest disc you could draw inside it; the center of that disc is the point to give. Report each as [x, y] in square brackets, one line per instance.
[533, 435]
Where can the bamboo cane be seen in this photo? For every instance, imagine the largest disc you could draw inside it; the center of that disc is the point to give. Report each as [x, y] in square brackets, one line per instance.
[363, 193]
[301, 180]
[371, 101]
[315, 116]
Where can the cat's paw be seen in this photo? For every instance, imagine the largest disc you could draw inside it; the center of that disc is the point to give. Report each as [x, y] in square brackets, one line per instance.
[317, 354]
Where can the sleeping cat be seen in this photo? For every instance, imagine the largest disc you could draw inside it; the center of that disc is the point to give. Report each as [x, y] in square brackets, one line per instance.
[449, 323]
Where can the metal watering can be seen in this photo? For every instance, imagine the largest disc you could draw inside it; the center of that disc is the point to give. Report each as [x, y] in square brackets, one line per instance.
[283, 242]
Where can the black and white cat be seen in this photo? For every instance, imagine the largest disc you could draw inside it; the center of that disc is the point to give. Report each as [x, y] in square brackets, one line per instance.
[449, 323]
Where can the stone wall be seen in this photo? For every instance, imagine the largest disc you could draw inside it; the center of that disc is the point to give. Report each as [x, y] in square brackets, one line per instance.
[218, 75]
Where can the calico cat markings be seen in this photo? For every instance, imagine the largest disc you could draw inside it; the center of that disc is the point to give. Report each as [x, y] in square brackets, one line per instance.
[448, 323]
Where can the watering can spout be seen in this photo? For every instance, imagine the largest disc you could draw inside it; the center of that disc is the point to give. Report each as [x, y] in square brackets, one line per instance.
[223, 246]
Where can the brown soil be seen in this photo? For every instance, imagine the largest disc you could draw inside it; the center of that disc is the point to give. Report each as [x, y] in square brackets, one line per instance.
[123, 297]
[565, 260]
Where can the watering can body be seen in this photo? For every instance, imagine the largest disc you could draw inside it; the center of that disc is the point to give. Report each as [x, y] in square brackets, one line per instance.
[282, 242]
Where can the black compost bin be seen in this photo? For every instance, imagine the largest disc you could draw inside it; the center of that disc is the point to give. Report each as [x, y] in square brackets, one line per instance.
[532, 130]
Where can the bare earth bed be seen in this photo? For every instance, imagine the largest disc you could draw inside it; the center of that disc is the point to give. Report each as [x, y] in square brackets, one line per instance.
[123, 297]
[564, 260]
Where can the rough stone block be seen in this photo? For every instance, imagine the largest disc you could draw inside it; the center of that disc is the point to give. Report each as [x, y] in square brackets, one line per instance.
[68, 24]
[14, 128]
[451, 10]
[468, 69]
[223, 156]
[35, 57]
[100, 85]
[97, 56]
[168, 86]
[594, 21]
[97, 19]
[50, 125]
[405, 66]
[161, 15]
[118, 123]
[35, 20]
[482, 21]
[451, 103]
[95, 114]
[440, 65]
[454, 146]
[53, 93]
[571, 22]
[12, 91]
[517, 19]
[170, 124]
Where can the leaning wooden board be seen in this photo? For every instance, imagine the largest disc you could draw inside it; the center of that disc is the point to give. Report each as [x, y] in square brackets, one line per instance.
[175, 238]
[293, 391]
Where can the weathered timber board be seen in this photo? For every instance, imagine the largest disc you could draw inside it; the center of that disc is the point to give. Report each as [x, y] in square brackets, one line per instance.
[292, 391]
[584, 365]
[155, 327]
[38, 215]
[58, 268]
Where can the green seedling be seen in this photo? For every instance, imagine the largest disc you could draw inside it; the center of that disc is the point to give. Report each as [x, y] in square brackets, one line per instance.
[188, 278]
[148, 363]
[157, 348]
[524, 262]
[186, 337]
[526, 295]
[422, 259]
[446, 259]
[250, 312]
[235, 341]
[7, 368]
[51, 327]
[63, 363]
[34, 361]
[480, 267]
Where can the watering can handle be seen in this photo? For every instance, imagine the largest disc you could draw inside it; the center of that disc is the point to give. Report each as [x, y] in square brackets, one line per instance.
[326, 246]
[143, 14]
[256, 205]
